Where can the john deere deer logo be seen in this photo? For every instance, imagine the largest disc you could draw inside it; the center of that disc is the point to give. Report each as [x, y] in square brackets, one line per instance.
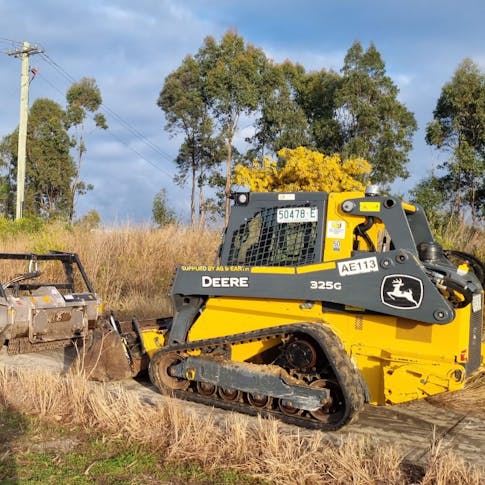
[398, 293]
[401, 291]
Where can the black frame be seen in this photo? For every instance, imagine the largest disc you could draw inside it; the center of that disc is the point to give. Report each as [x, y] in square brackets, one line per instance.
[68, 260]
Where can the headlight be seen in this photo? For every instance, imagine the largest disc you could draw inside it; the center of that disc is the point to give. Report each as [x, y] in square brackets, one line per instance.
[241, 198]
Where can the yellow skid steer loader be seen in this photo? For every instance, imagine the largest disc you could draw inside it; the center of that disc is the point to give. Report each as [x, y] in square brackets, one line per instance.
[319, 302]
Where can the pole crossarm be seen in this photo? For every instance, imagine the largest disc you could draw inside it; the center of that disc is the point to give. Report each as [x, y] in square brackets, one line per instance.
[29, 51]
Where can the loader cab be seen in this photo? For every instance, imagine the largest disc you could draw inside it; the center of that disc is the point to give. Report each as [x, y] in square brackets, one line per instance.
[275, 229]
[295, 229]
[304, 229]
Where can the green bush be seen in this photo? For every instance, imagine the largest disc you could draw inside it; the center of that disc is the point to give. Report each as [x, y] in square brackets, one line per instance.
[25, 225]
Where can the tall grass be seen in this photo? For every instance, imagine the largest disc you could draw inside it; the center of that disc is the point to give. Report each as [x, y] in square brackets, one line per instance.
[260, 448]
[130, 267]
[462, 237]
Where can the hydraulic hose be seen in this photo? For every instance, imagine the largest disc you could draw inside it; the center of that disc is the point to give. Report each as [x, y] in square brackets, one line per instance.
[361, 230]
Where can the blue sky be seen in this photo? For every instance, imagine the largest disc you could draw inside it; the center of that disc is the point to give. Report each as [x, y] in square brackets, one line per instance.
[130, 47]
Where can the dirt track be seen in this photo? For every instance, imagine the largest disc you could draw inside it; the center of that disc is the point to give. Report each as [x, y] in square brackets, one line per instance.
[412, 426]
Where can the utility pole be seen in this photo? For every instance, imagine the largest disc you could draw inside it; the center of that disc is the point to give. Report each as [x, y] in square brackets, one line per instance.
[24, 54]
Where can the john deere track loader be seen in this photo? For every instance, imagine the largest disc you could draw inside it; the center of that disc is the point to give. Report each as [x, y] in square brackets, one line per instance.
[319, 302]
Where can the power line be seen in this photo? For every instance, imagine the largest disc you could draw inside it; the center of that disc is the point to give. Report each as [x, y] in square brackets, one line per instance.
[12, 43]
[153, 164]
[140, 155]
[49, 60]
[113, 135]
[41, 76]
[138, 133]
[66, 75]
[111, 112]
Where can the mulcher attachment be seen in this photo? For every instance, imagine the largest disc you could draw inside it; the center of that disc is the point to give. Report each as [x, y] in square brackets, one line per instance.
[50, 304]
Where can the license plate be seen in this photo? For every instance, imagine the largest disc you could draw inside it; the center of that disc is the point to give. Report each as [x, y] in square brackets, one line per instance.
[296, 214]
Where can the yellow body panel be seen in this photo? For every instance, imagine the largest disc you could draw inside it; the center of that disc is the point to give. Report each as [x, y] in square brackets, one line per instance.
[315, 267]
[272, 270]
[338, 243]
[399, 359]
[339, 240]
[408, 207]
[153, 340]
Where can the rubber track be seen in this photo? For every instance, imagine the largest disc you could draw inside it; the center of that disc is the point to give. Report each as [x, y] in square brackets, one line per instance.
[345, 372]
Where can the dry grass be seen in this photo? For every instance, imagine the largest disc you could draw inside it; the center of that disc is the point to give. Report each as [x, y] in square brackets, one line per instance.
[130, 267]
[462, 237]
[468, 400]
[256, 448]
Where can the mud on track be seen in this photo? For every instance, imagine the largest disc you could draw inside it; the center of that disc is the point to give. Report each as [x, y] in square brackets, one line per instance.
[412, 426]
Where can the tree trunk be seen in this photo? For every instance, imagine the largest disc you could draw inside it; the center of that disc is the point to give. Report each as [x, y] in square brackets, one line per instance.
[77, 175]
[228, 180]
[192, 197]
[201, 208]
[472, 203]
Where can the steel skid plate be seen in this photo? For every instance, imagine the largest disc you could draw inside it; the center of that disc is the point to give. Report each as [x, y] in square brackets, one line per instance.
[255, 379]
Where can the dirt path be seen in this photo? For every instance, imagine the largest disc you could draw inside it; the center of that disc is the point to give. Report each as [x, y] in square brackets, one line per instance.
[412, 426]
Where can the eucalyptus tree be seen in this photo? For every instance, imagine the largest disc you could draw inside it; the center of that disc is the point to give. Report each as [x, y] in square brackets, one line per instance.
[83, 99]
[458, 127]
[374, 124]
[49, 165]
[282, 122]
[430, 192]
[233, 75]
[316, 94]
[162, 214]
[354, 113]
[187, 112]
[8, 160]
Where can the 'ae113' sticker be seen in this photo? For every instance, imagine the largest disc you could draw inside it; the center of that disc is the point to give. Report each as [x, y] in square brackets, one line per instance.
[402, 291]
[357, 266]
